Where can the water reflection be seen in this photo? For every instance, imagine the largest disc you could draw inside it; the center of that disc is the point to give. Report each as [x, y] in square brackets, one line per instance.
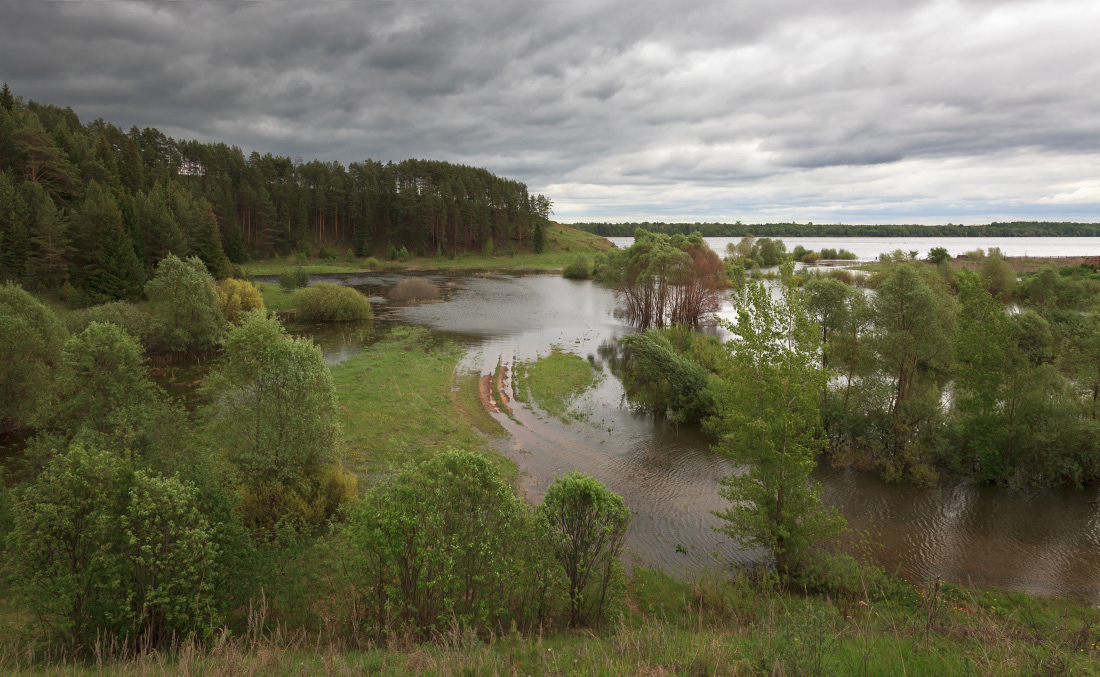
[1044, 542]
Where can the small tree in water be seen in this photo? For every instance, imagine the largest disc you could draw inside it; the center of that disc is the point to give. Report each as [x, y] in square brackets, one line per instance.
[767, 416]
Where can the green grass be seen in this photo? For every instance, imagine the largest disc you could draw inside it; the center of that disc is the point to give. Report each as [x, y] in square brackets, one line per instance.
[396, 404]
[717, 624]
[554, 381]
[562, 246]
[275, 298]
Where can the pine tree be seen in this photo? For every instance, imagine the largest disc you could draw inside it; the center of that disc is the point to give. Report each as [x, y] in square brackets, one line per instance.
[49, 260]
[13, 229]
[538, 240]
[111, 268]
[207, 244]
[7, 101]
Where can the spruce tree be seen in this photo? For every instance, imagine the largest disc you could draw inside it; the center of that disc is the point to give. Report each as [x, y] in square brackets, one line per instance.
[207, 244]
[13, 229]
[48, 264]
[112, 270]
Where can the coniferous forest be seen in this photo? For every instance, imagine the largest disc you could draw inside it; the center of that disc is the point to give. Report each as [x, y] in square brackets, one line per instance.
[96, 207]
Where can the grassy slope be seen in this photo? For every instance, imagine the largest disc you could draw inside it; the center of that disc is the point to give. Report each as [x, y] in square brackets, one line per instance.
[397, 404]
[554, 381]
[718, 625]
[563, 244]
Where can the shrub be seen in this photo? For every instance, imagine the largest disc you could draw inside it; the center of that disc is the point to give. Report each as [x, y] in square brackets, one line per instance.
[292, 279]
[842, 274]
[372, 263]
[326, 253]
[845, 255]
[31, 338]
[445, 542]
[273, 413]
[98, 550]
[238, 296]
[391, 252]
[586, 527]
[403, 253]
[828, 253]
[578, 269]
[132, 318]
[325, 302]
[414, 289]
[182, 297]
[976, 253]
[810, 257]
[487, 247]
[938, 255]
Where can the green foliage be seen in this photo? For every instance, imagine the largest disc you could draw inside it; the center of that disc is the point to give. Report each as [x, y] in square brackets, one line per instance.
[997, 277]
[328, 302]
[134, 319]
[767, 418]
[414, 289]
[103, 386]
[273, 413]
[662, 379]
[112, 270]
[294, 278]
[100, 551]
[444, 543]
[554, 381]
[31, 338]
[182, 297]
[586, 527]
[578, 269]
[538, 237]
[938, 255]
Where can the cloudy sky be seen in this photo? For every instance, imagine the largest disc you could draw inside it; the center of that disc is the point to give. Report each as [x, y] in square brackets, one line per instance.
[860, 111]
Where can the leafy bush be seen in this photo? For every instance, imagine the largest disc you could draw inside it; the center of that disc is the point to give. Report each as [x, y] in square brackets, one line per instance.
[446, 542]
[132, 318]
[273, 413]
[578, 269]
[327, 302]
[414, 289]
[238, 296]
[810, 257]
[31, 338]
[372, 263]
[183, 298]
[403, 253]
[586, 527]
[391, 252]
[326, 253]
[292, 279]
[97, 550]
[938, 255]
[487, 247]
[828, 253]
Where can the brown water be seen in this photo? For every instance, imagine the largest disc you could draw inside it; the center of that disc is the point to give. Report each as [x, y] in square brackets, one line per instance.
[1042, 542]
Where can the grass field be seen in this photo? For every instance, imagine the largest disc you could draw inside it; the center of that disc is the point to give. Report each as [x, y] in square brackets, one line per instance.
[554, 381]
[563, 244]
[398, 403]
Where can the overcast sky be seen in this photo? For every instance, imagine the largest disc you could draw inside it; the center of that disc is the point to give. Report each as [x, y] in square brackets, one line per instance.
[807, 110]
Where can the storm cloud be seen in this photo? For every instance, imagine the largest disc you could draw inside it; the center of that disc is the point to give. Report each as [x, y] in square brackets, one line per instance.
[843, 110]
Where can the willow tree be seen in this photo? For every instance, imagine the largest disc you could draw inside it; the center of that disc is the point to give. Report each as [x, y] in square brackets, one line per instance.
[767, 418]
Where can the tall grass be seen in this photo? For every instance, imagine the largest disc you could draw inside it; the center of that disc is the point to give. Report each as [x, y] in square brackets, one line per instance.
[414, 289]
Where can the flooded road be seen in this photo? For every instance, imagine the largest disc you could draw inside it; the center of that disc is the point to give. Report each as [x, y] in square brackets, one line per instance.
[1041, 542]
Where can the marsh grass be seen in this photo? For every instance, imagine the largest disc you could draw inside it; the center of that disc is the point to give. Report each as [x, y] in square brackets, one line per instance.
[396, 403]
[553, 382]
[414, 289]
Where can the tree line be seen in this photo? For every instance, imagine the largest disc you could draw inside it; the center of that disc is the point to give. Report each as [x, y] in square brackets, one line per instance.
[96, 207]
[738, 229]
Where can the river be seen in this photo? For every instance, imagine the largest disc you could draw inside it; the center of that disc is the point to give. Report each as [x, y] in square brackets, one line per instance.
[868, 248]
[1041, 542]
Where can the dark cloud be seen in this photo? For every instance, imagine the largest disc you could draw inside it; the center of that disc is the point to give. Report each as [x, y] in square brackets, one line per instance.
[855, 109]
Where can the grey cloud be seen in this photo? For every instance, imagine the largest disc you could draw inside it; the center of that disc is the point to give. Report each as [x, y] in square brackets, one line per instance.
[719, 106]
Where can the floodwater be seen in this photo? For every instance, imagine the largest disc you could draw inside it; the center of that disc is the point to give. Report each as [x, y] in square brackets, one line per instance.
[868, 248]
[1040, 542]
[1044, 542]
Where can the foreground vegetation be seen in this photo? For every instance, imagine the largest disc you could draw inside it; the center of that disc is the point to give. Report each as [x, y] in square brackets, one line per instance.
[553, 382]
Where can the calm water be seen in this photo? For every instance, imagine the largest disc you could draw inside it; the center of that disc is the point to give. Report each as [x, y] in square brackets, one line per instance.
[1043, 542]
[870, 247]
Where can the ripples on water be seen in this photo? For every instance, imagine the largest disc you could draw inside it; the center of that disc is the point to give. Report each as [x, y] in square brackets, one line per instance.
[1040, 542]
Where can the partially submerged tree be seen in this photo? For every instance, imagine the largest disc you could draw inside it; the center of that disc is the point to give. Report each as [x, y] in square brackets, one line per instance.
[767, 418]
[184, 299]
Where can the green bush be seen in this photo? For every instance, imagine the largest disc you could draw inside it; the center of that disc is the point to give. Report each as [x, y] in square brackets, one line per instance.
[371, 263]
[183, 298]
[586, 526]
[327, 254]
[325, 302]
[292, 279]
[828, 253]
[938, 255]
[810, 257]
[31, 338]
[447, 542]
[578, 269]
[132, 318]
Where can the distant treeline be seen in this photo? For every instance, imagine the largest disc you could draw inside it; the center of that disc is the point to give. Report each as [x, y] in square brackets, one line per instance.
[97, 207]
[996, 229]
